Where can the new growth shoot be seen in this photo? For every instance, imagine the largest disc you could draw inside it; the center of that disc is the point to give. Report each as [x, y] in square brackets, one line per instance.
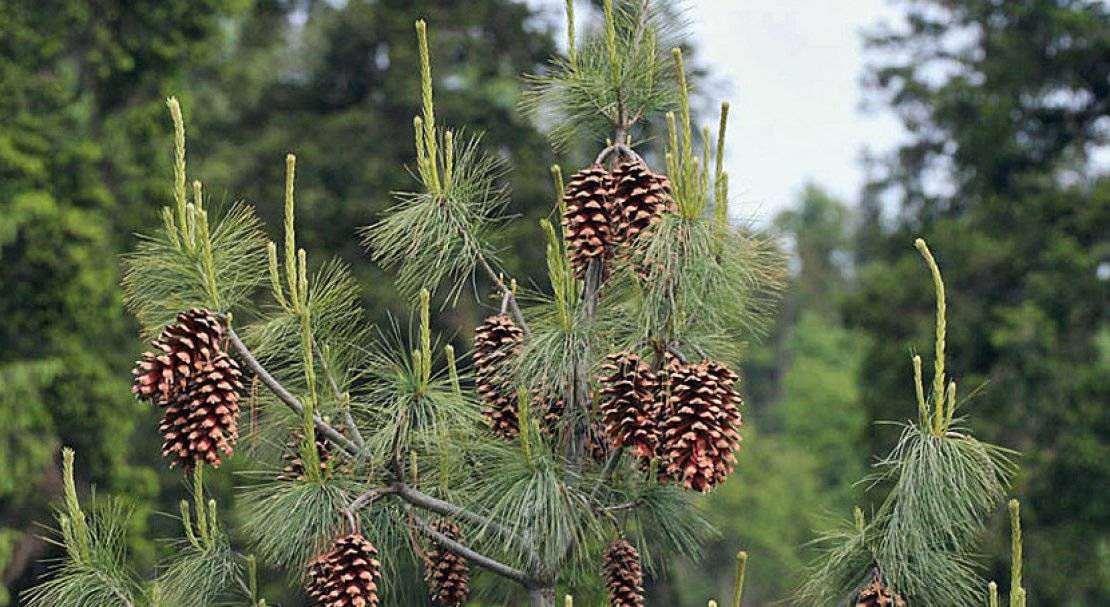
[939, 420]
[189, 232]
[435, 172]
[690, 175]
[294, 299]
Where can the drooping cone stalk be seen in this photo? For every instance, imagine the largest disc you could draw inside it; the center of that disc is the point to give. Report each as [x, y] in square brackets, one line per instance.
[640, 199]
[590, 218]
[496, 341]
[701, 432]
[445, 572]
[878, 594]
[628, 404]
[345, 576]
[200, 424]
[624, 577]
[181, 350]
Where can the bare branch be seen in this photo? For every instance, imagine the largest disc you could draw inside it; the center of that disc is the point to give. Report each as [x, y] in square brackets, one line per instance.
[427, 502]
[479, 559]
[339, 394]
[285, 396]
[505, 290]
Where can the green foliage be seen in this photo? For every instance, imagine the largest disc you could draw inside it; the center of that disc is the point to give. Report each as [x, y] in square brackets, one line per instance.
[709, 286]
[25, 454]
[616, 76]
[162, 278]
[922, 540]
[1024, 246]
[290, 522]
[439, 237]
[96, 570]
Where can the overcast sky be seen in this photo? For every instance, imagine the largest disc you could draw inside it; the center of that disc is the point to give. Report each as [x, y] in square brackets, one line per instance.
[791, 70]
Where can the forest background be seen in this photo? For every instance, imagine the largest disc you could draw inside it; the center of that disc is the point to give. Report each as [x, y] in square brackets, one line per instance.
[1006, 108]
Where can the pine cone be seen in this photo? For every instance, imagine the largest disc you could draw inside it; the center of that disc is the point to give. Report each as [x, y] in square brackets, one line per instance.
[640, 198]
[202, 420]
[446, 573]
[496, 340]
[700, 433]
[623, 576]
[628, 404]
[589, 219]
[294, 464]
[878, 594]
[182, 349]
[345, 576]
[551, 410]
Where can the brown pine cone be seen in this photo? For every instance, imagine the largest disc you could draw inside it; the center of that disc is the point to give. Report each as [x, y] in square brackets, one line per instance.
[497, 340]
[182, 349]
[589, 218]
[640, 198]
[878, 594]
[628, 405]
[445, 572]
[551, 409]
[623, 575]
[202, 420]
[294, 463]
[701, 432]
[345, 576]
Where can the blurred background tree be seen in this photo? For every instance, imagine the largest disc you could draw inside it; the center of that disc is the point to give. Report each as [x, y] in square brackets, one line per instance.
[81, 120]
[1005, 102]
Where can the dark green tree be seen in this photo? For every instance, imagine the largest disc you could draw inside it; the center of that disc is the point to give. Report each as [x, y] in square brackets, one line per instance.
[82, 84]
[1006, 104]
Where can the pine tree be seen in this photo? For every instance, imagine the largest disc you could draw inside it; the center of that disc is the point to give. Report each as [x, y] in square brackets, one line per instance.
[536, 498]
[920, 545]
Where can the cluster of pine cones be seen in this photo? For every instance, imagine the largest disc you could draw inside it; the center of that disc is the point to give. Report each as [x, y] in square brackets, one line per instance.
[606, 211]
[197, 384]
[686, 417]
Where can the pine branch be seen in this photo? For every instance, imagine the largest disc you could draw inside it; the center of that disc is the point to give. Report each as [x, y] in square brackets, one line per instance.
[479, 559]
[285, 396]
[340, 395]
[506, 291]
[427, 502]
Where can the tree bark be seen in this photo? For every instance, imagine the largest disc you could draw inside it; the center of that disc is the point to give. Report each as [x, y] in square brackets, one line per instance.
[541, 597]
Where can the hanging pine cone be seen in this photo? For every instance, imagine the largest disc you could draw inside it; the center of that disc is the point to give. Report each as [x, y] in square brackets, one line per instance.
[294, 463]
[701, 433]
[878, 594]
[589, 219]
[182, 349]
[640, 198]
[628, 404]
[202, 420]
[551, 408]
[623, 576]
[345, 576]
[445, 572]
[496, 340]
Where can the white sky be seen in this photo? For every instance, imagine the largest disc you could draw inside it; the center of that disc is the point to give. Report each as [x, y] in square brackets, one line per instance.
[791, 71]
